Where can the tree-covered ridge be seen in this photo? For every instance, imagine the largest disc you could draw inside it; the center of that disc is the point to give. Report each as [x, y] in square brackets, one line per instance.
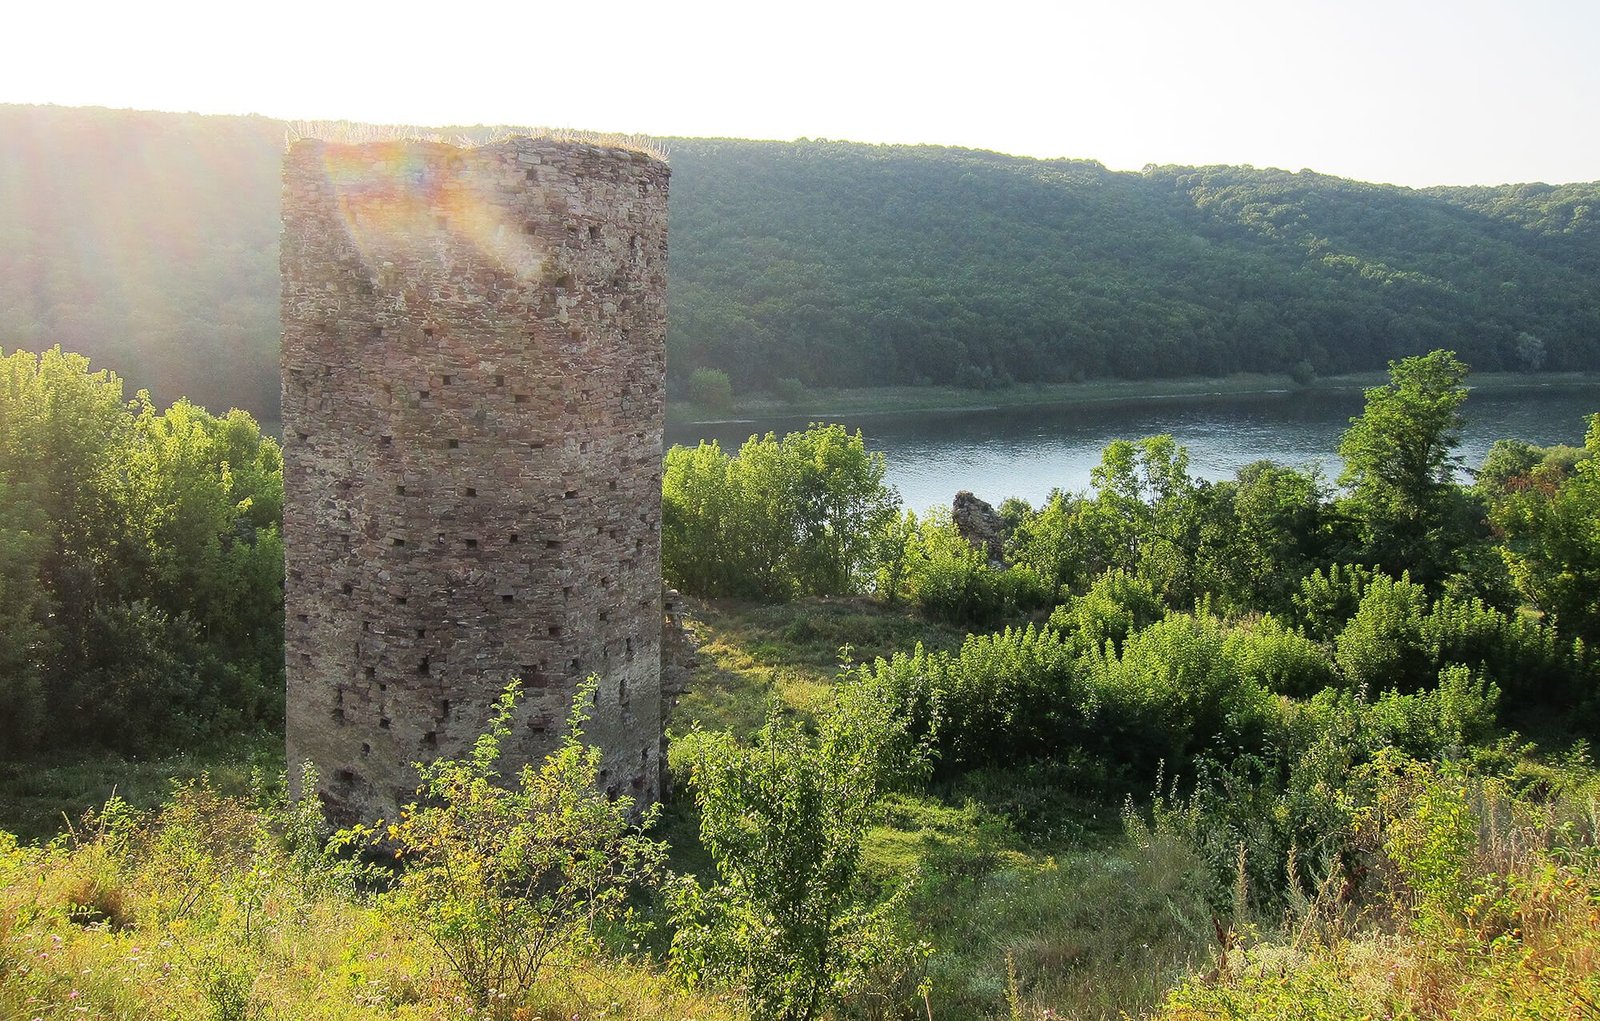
[843, 263]
[149, 241]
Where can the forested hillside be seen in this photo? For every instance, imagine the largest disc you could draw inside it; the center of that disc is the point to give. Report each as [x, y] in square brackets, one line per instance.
[149, 241]
[841, 263]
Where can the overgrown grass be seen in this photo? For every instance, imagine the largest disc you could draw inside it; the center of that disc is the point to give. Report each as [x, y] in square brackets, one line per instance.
[1483, 904]
[202, 912]
[1467, 895]
[755, 654]
[41, 794]
[1008, 869]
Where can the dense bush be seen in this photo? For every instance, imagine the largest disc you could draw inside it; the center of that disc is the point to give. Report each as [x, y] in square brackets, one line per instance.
[1381, 646]
[1183, 686]
[1116, 605]
[1007, 697]
[1281, 660]
[141, 565]
[1176, 691]
[952, 580]
[504, 877]
[781, 518]
[710, 390]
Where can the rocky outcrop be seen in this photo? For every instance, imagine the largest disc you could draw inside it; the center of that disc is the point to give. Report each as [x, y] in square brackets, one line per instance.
[980, 525]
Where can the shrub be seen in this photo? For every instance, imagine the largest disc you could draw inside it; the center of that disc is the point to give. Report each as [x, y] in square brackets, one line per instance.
[951, 580]
[710, 389]
[1456, 714]
[1282, 661]
[803, 515]
[141, 565]
[1004, 698]
[1527, 659]
[790, 390]
[1176, 692]
[1327, 600]
[783, 819]
[1116, 605]
[500, 878]
[1382, 647]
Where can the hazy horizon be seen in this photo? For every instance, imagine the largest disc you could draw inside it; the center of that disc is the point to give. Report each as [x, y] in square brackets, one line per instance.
[1395, 91]
[820, 139]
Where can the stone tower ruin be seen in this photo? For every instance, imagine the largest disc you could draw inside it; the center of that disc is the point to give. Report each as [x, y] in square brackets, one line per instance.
[473, 357]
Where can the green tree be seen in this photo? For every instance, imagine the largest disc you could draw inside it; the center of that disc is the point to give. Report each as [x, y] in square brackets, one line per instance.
[141, 564]
[23, 607]
[841, 504]
[1138, 486]
[1400, 462]
[1552, 548]
[1280, 527]
[1052, 541]
[1381, 648]
[895, 543]
[710, 389]
[800, 515]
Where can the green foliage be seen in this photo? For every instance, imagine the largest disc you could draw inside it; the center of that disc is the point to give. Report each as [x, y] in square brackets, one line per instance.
[1381, 647]
[790, 390]
[1008, 697]
[23, 621]
[710, 390]
[1400, 462]
[501, 878]
[896, 543]
[952, 581]
[1398, 640]
[922, 264]
[1116, 605]
[1176, 692]
[787, 921]
[1179, 687]
[1279, 659]
[1050, 542]
[1327, 599]
[803, 515]
[945, 266]
[1281, 525]
[1444, 720]
[140, 562]
[1549, 521]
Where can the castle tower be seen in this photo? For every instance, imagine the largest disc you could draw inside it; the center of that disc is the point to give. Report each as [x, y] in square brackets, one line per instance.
[473, 356]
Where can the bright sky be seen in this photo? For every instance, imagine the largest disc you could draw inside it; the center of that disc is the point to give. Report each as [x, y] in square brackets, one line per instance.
[1407, 91]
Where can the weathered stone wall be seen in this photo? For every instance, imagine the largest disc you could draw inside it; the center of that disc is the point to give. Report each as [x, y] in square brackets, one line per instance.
[472, 399]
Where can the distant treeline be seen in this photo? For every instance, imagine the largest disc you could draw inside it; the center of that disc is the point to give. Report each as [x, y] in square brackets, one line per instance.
[150, 241]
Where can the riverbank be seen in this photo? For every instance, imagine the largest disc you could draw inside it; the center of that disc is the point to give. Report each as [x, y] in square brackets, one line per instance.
[816, 405]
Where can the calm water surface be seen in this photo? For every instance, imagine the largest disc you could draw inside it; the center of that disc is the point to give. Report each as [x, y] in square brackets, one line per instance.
[1027, 452]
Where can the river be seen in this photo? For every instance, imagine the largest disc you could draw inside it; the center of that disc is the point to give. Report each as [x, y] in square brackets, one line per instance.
[1027, 451]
